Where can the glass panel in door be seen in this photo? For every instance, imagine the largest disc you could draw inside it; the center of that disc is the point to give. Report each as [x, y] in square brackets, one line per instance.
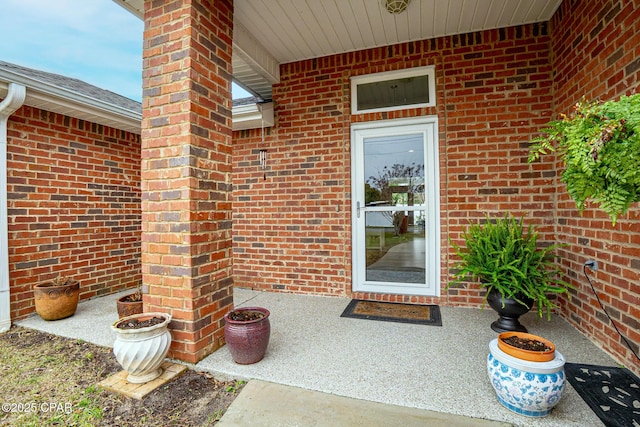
[394, 208]
[394, 258]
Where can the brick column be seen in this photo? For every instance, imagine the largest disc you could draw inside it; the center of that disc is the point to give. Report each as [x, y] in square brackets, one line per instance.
[186, 170]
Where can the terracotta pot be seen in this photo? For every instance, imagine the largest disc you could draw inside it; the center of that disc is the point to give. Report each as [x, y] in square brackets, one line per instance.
[55, 302]
[534, 356]
[247, 340]
[141, 351]
[509, 311]
[128, 308]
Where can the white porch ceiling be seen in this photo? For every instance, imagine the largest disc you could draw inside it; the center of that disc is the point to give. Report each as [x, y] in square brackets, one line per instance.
[273, 32]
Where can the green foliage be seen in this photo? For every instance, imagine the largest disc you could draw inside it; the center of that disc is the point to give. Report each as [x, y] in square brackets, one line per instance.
[370, 194]
[599, 144]
[233, 388]
[503, 255]
[408, 177]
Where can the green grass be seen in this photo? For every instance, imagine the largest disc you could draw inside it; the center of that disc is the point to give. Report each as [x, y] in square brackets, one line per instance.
[37, 390]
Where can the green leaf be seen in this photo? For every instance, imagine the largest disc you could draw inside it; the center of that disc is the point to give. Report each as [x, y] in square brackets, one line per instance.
[599, 145]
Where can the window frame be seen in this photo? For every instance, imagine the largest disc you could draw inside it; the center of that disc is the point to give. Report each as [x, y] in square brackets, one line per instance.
[428, 70]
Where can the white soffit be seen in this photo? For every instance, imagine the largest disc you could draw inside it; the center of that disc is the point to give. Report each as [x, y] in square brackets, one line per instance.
[253, 66]
[283, 31]
[293, 30]
[134, 6]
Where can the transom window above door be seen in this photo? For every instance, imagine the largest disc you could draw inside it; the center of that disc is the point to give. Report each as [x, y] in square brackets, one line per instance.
[393, 90]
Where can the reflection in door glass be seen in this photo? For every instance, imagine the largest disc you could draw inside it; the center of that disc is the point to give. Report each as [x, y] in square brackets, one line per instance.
[394, 171]
[395, 255]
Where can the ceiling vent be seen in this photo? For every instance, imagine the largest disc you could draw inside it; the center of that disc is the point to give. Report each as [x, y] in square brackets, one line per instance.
[395, 6]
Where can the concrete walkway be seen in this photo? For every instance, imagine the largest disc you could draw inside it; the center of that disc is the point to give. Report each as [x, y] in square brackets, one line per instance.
[403, 255]
[269, 404]
[429, 368]
[404, 262]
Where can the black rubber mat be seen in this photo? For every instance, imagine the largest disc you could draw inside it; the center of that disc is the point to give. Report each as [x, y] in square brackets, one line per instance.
[612, 393]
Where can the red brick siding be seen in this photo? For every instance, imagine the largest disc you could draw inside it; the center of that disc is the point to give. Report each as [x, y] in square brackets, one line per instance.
[292, 230]
[497, 93]
[596, 46]
[73, 205]
[186, 170]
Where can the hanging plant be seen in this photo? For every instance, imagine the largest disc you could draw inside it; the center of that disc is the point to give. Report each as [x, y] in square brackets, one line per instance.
[599, 144]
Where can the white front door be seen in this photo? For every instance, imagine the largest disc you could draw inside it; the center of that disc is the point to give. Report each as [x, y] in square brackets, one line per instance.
[395, 200]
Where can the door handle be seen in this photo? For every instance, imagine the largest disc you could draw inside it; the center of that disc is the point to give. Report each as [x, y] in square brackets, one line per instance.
[357, 209]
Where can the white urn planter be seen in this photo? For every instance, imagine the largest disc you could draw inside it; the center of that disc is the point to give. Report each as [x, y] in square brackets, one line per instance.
[141, 351]
[526, 387]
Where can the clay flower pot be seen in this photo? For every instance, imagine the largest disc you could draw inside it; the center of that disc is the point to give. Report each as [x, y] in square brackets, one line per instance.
[141, 350]
[129, 304]
[247, 332]
[57, 299]
[542, 355]
[523, 386]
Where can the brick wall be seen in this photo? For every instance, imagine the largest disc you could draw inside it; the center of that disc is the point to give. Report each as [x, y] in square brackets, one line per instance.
[186, 170]
[292, 230]
[497, 93]
[73, 205]
[595, 55]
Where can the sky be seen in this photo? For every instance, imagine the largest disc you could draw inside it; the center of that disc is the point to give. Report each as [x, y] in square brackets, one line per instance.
[96, 41]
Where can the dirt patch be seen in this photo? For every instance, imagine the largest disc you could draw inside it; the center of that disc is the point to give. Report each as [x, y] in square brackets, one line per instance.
[51, 380]
[193, 399]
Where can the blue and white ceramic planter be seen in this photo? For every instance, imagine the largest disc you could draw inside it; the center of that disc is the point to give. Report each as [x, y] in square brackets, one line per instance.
[527, 388]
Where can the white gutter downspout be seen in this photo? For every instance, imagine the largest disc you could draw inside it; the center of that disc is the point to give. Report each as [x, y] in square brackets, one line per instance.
[8, 106]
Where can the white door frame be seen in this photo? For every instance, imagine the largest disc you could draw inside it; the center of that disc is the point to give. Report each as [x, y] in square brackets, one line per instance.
[428, 126]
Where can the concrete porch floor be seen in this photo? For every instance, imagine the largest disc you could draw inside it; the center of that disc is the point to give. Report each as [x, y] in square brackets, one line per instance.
[441, 369]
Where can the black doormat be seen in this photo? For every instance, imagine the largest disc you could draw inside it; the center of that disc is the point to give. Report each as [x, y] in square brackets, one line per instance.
[612, 393]
[393, 312]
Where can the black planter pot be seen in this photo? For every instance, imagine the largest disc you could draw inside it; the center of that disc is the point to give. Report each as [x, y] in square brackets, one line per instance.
[509, 311]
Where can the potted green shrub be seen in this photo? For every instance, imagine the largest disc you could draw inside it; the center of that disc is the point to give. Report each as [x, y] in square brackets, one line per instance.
[517, 272]
[599, 145]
